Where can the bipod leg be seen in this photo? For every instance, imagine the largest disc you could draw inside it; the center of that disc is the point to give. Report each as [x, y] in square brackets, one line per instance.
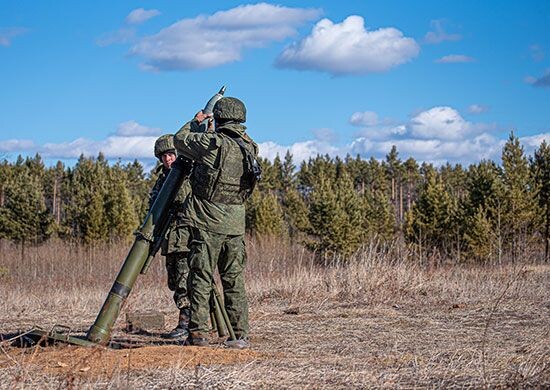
[220, 308]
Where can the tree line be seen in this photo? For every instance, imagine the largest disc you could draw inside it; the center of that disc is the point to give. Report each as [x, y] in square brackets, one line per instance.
[335, 206]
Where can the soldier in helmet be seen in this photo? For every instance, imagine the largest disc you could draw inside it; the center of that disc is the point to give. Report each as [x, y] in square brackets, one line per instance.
[174, 247]
[221, 181]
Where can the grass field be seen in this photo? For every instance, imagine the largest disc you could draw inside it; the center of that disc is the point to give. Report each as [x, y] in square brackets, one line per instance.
[377, 321]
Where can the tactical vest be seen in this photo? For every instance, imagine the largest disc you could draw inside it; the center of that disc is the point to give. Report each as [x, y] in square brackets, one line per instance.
[226, 182]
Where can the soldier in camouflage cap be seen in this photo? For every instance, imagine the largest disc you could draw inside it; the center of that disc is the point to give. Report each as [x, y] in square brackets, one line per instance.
[215, 210]
[174, 246]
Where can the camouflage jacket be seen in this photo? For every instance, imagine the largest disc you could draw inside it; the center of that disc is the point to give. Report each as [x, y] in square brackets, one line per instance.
[205, 148]
[185, 189]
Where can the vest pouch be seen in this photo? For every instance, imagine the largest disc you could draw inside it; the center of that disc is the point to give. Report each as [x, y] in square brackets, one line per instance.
[204, 181]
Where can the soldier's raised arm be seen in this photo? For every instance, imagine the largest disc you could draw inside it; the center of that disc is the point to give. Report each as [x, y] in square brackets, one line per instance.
[193, 144]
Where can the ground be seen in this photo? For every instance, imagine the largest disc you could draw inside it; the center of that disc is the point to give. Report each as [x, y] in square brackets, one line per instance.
[370, 324]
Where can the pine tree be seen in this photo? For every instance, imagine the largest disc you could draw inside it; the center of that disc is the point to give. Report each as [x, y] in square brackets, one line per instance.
[23, 216]
[295, 212]
[86, 212]
[269, 219]
[480, 236]
[433, 218]
[277, 174]
[379, 218]
[139, 188]
[519, 200]
[335, 216]
[412, 179]
[394, 173]
[482, 206]
[540, 166]
[121, 218]
[288, 175]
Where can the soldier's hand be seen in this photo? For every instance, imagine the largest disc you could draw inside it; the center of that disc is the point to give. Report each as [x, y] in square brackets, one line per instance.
[201, 116]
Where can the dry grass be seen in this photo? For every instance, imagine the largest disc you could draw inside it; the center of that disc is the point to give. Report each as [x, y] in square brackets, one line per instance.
[375, 322]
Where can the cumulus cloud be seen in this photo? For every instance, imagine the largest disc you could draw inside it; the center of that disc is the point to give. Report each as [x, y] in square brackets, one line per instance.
[477, 109]
[132, 128]
[383, 132]
[443, 123]
[533, 141]
[16, 145]
[111, 147]
[480, 147]
[127, 33]
[439, 35]
[7, 34]
[221, 38]
[367, 118]
[435, 135]
[141, 15]
[300, 151]
[454, 58]
[349, 48]
[542, 81]
[131, 140]
[325, 134]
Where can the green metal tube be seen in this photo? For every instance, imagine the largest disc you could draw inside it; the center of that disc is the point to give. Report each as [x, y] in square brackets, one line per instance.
[221, 308]
[216, 311]
[100, 331]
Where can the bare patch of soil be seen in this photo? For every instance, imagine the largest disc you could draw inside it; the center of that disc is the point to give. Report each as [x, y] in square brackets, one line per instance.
[81, 361]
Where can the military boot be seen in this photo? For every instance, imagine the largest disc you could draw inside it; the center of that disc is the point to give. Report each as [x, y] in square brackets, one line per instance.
[197, 340]
[181, 330]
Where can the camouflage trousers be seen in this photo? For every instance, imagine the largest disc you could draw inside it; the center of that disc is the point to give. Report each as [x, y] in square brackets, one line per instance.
[178, 270]
[209, 250]
[176, 252]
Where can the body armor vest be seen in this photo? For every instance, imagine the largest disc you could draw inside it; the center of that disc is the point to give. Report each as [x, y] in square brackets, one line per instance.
[226, 182]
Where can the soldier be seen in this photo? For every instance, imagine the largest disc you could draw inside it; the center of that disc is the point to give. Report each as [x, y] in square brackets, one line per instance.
[221, 181]
[174, 246]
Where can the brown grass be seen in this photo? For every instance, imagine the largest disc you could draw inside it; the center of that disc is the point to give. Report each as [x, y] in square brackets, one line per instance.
[378, 321]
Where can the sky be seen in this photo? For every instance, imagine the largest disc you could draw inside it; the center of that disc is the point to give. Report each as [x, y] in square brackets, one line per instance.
[444, 81]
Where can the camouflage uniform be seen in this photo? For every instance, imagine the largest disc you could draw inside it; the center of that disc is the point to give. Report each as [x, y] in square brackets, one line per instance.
[174, 246]
[215, 210]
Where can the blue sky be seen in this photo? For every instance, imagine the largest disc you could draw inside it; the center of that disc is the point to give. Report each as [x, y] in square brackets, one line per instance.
[442, 80]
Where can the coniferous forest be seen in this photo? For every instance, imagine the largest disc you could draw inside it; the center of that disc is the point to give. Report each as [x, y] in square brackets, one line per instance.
[482, 213]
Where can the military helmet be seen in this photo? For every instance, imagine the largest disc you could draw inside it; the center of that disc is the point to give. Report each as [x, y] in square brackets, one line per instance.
[165, 143]
[229, 108]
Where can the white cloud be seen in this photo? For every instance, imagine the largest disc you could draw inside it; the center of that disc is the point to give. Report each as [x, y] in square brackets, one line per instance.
[383, 132]
[349, 48]
[477, 109]
[325, 134]
[367, 118]
[436, 135]
[542, 81]
[7, 34]
[441, 123]
[300, 151]
[132, 128]
[439, 35]
[111, 147]
[534, 141]
[480, 147]
[132, 140]
[454, 58]
[209, 41]
[16, 145]
[141, 15]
